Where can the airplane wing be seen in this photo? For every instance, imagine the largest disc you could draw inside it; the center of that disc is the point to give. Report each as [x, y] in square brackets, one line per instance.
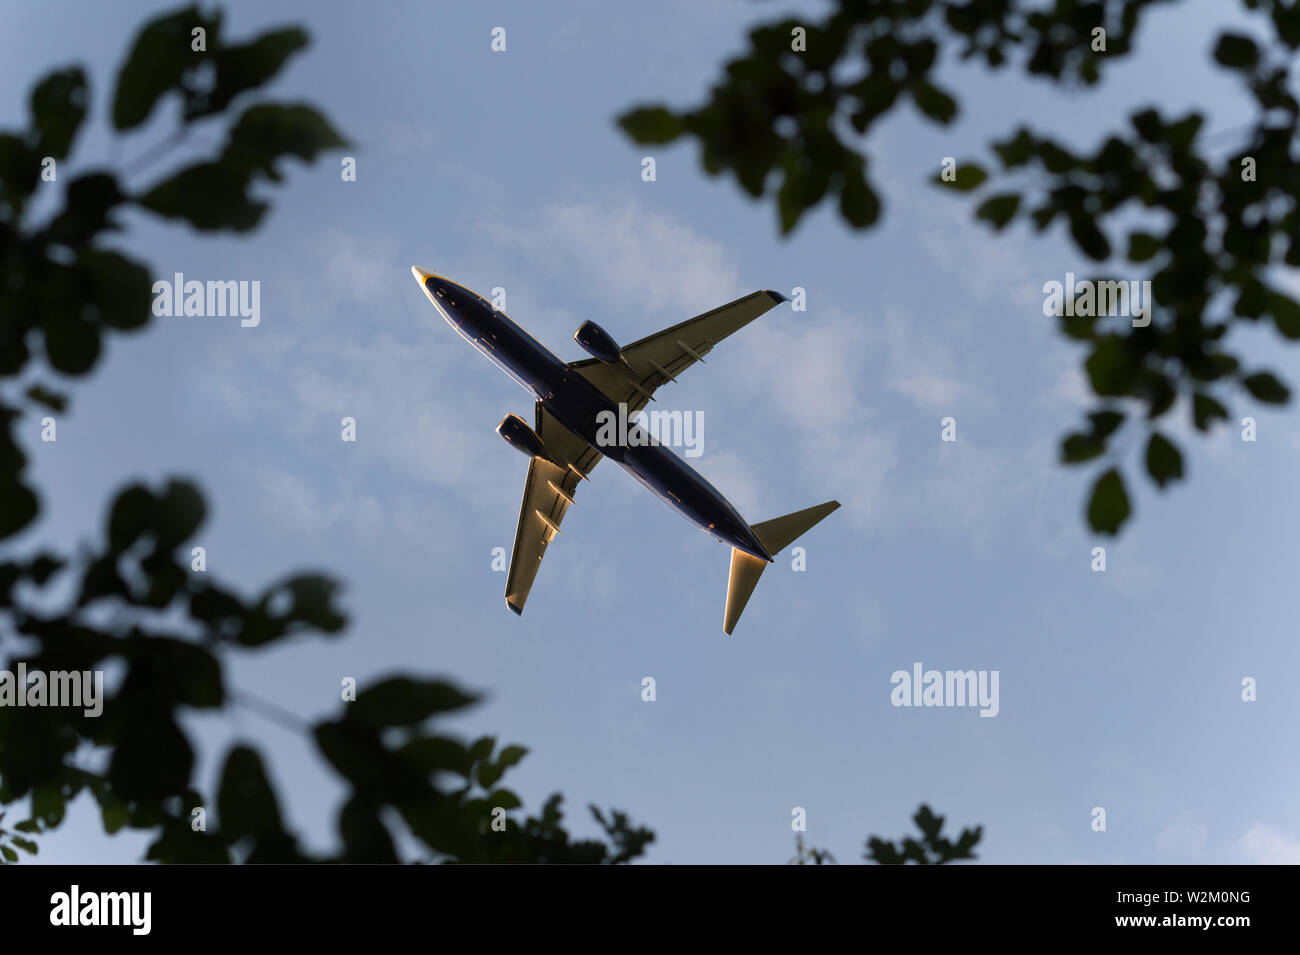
[548, 494]
[661, 357]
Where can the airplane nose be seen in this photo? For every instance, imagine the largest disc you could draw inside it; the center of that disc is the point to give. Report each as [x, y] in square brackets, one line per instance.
[420, 274]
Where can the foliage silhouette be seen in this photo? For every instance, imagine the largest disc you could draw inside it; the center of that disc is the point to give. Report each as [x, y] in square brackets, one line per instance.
[1214, 225]
[131, 606]
[128, 604]
[933, 848]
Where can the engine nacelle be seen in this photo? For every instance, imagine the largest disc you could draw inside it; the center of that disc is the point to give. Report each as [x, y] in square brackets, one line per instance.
[521, 437]
[597, 342]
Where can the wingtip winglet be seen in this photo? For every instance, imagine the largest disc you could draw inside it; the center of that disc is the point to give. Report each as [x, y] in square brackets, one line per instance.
[775, 296]
[519, 611]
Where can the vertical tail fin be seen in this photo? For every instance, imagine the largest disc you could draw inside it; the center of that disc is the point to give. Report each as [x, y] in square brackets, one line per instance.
[775, 535]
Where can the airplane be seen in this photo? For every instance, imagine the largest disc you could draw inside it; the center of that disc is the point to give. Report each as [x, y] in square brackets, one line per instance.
[564, 444]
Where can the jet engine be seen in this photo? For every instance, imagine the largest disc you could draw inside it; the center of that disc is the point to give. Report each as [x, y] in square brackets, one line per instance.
[597, 342]
[521, 437]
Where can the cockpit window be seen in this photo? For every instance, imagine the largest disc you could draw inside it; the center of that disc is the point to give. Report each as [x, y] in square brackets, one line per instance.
[450, 292]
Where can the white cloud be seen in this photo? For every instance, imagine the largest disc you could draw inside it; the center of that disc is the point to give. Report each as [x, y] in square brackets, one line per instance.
[1184, 836]
[810, 372]
[353, 337]
[730, 475]
[625, 254]
[1265, 845]
[929, 389]
[822, 374]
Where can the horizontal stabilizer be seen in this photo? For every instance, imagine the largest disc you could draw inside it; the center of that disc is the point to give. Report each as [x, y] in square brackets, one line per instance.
[775, 535]
[780, 532]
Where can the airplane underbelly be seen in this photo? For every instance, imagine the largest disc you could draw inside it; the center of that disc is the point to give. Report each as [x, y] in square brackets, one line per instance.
[509, 364]
[676, 484]
[672, 500]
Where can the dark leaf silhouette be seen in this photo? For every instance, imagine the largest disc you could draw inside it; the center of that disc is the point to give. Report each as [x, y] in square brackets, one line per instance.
[1108, 507]
[1205, 231]
[933, 848]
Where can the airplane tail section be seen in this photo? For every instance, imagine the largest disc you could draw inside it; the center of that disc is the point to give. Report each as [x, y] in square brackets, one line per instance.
[775, 535]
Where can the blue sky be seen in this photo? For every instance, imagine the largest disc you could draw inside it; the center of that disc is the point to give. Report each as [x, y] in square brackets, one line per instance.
[1118, 689]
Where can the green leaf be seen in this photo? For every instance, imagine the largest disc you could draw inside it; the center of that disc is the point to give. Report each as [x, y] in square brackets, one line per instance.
[18, 507]
[48, 804]
[999, 209]
[209, 196]
[1205, 409]
[1148, 125]
[489, 774]
[1080, 447]
[859, 203]
[129, 517]
[58, 105]
[1110, 367]
[1252, 300]
[437, 753]
[966, 177]
[1043, 216]
[651, 124]
[311, 603]
[120, 288]
[793, 198]
[9, 854]
[1181, 134]
[1286, 314]
[1090, 239]
[358, 752]
[1265, 387]
[91, 200]
[157, 62]
[53, 400]
[505, 799]
[1017, 150]
[20, 172]
[266, 132]
[935, 103]
[216, 195]
[928, 822]
[1142, 246]
[25, 844]
[72, 344]
[511, 755]
[1104, 423]
[402, 701]
[114, 814]
[364, 834]
[153, 758]
[1161, 395]
[193, 673]
[1164, 460]
[246, 803]
[179, 514]
[1108, 506]
[246, 66]
[1236, 51]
